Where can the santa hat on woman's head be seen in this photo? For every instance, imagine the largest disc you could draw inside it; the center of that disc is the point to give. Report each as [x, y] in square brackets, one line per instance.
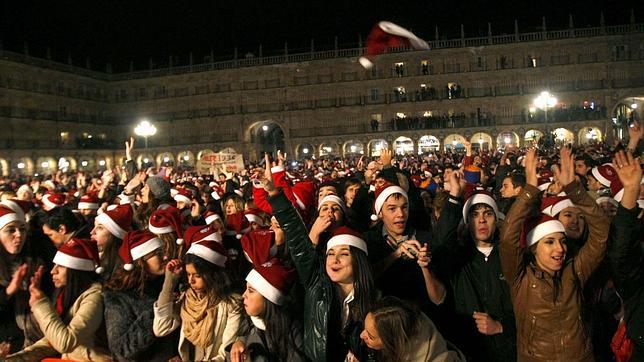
[605, 174]
[539, 226]
[382, 193]
[258, 246]
[477, 195]
[79, 254]
[166, 220]
[88, 202]
[254, 215]
[210, 217]
[184, 195]
[237, 224]
[117, 221]
[20, 207]
[334, 199]
[206, 244]
[137, 244]
[51, 200]
[617, 189]
[8, 215]
[386, 35]
[347, 236]
[272, 280]
[553, 205]
[198, 233]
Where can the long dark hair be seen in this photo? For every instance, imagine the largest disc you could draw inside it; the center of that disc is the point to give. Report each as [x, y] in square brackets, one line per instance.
[110, 254]
[78, 281]
[397, 322]
[123, 280]
[282, 329]
[218, 284]
[363, 286]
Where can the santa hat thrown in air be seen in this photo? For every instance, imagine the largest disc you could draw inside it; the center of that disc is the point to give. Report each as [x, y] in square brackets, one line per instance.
[137, 244]
[382, 193]
[272, 280]
[347, 236]
[166, 220]
[79, 254]
[538, 227]
[553, 205]
[117, 221]
[52, 199]
[477, 195]
[258, 246]
[386, 35]
[206, 243]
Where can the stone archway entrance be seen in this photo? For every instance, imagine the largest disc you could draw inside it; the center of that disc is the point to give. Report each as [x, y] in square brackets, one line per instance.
[267, 136]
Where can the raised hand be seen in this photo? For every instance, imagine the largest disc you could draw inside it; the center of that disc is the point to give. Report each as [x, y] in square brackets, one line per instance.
[281, 157]
[129, 146]
[385, 156]
[566, 174]
[16, 280]
[35, 294]
[456, 183]
[635, 134]
[629, 172]
[531, 162]
[174, 267]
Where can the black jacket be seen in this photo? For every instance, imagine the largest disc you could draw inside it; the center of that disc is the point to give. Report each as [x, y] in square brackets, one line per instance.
[626, 261]
[477, 285]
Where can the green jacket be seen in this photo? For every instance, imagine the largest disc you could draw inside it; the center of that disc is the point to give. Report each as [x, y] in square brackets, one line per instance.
[320, 343]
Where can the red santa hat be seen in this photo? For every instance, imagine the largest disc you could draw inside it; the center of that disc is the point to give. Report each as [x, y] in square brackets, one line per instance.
[605, 174]
[117, 221]
[51, 200]
[184, 195]
[537, 227]
[237, 224]
[386, 35]
[544, 180]
[617, 189]
[8, 215]
[166, 220]
[272, 280]
[79, 254]
[347, 236]
[478, 195]
[206, 243]
[137, 244]
[258, 246]
[211, 216]
[382, 193]
[20, 207]
[254, 215]
[88, 202]
[304, 194]
[217, 191]
[553, 205]
[334, 199]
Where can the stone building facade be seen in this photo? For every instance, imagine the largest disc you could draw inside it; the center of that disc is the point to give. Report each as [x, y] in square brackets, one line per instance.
[323, 103]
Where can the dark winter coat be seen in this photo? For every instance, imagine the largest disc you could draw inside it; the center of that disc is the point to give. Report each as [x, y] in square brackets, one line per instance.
[321, 342]
[626, 261]
[128, 320]
[478, 285]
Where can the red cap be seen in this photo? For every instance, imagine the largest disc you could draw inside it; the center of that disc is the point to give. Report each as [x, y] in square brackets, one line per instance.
[137, 244]
[79, 254]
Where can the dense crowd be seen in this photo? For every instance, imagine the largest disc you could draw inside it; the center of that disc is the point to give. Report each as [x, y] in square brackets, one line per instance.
[528, 254]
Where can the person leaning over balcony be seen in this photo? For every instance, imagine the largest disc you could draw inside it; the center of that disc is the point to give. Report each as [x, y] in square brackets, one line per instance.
[546, 287]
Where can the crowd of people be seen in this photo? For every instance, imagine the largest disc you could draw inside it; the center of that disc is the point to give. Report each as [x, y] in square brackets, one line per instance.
[531, 254]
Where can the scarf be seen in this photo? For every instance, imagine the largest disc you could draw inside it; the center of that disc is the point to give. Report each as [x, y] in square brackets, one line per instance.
[59, 302]
[198, 318]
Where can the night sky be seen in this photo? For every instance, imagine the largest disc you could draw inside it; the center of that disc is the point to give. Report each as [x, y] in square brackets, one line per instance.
[123, 31]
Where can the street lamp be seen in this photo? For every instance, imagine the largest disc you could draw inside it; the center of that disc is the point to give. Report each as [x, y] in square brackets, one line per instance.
[145, 129]
[544, 101]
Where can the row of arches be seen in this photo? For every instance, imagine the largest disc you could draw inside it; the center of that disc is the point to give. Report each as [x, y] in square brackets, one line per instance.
[429, 143]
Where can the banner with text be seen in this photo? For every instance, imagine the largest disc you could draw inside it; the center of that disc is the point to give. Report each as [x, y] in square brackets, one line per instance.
[217, 162]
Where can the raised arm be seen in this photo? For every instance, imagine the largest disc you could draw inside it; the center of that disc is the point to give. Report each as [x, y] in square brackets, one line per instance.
[527, 201]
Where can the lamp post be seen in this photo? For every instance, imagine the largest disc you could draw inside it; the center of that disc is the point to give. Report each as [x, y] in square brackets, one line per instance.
[544, 101]
[145, 129]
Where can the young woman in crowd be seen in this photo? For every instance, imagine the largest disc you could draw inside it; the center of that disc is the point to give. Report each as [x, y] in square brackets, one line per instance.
[268, 327]
[398, 331]
[339, 286]
[166, 224]
[129, 297]
[207, 313]
[109, 230]
[18, 327]
[546, 287]
[70, 321]
[331, 215]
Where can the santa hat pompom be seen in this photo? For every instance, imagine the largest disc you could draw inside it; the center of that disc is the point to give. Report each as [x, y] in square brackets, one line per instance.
[128, 267]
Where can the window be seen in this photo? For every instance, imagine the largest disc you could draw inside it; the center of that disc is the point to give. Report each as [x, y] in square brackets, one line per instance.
[399, 69]
[424, 67]
[400, 95]
[375, 94]
[532, 62]
[621, 52]
[142, 92]
[64, 137]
